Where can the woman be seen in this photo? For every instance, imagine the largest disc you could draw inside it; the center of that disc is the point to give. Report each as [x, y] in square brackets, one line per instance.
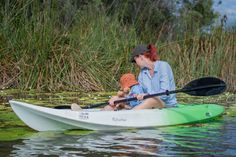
[155, 76]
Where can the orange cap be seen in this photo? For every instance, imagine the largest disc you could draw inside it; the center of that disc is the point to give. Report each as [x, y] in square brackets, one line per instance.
[127, 80]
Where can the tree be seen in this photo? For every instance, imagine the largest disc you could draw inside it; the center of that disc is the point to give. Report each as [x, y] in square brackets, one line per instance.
[196, 14]
[152, 17]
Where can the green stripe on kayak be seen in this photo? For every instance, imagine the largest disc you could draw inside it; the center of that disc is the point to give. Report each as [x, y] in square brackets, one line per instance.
[191, 113]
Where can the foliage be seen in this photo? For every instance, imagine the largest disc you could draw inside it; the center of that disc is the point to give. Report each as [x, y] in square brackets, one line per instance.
[196, 14]
[80, 45]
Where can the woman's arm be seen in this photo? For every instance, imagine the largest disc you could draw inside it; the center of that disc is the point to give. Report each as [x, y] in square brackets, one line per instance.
[166, 79]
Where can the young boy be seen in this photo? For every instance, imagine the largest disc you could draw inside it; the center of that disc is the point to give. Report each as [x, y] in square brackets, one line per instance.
[129, 88]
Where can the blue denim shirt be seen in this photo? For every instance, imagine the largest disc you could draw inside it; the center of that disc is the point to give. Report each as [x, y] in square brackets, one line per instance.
[162, 80]
[136, 89]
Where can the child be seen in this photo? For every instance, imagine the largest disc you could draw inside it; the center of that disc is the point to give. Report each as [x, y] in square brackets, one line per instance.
[129, 88]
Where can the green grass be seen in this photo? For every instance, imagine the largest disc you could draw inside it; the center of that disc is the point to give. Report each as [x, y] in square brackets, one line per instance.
[205, 55]
[91, 50]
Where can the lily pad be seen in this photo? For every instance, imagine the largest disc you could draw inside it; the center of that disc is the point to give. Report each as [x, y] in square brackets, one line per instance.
[14, 133]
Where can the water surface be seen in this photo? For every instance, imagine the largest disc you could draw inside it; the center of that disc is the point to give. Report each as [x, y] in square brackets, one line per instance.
[217, 138]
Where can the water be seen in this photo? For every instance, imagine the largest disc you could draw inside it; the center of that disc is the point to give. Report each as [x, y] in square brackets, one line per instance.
[217, 138]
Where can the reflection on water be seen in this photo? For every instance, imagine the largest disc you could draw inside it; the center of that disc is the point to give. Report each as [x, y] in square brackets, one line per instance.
[216, 138]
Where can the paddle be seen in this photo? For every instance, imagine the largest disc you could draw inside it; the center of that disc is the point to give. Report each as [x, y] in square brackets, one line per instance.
[204, 86]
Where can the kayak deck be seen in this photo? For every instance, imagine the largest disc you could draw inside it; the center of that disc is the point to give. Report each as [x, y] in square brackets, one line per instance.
[45, 119]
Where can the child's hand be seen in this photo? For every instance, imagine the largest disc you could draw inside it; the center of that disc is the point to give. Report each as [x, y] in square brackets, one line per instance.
[112, 100]
[120, 94]
[140, 96]
[126, 90]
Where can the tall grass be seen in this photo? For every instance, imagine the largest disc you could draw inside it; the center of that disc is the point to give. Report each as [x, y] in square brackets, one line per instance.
[90, 50]
[39, 53]
[203, 55]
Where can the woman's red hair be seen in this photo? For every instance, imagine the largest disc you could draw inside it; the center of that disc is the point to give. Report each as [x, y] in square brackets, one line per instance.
[152, 53]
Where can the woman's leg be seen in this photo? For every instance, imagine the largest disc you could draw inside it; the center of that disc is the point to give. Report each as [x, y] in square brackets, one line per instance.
[150, 103]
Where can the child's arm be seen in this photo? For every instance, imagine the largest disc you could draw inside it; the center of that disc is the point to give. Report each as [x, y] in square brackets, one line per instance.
[140, 96]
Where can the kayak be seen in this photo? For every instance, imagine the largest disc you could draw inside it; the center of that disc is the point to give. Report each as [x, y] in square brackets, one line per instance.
[47, 119]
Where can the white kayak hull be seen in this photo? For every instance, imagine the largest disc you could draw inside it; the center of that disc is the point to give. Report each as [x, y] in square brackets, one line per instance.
[47, 119]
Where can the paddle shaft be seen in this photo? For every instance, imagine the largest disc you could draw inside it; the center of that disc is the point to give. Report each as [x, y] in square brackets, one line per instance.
[156, 94]
[205, 86]
[131, 99]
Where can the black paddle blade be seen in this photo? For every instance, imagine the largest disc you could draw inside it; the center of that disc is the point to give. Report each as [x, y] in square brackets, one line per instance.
[205, 86]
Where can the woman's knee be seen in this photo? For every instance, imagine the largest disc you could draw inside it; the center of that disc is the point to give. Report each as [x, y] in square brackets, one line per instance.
[150, 103]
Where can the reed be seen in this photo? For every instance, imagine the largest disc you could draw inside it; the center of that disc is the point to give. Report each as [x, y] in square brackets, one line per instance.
[90, 50]
[203, 55]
